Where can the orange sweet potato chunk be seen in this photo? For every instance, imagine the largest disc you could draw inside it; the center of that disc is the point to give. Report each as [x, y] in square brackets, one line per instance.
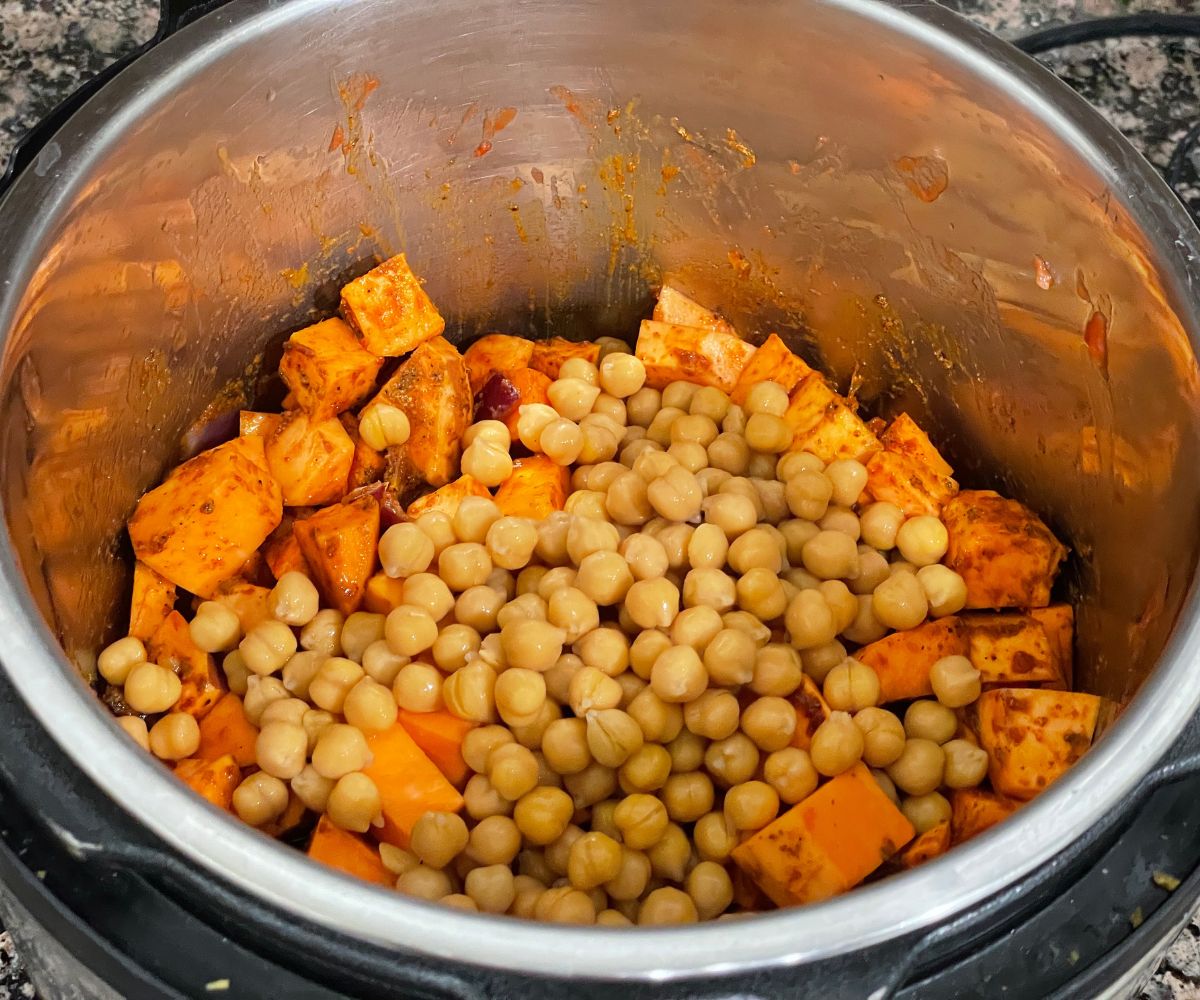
[1006, 555]
[327, 369]
[440, 735]
[827, 843]
[931, 844]
[903, 660]
[171, 646]
[227, 730]
[389, 311]
[1032, 736]
[536, 488]
[310, 459]
[383, 594]
[1059, 622]
[811, 711]
[282, 553]
[153, 599]
[532, 387]
[910, 472]
[254, 423]
[213, 779]
[246, 600]
[409, 783]
[550, 355]
[348, 852]
[674, 353]
[973, 810]
[823, 423]
[772, 362]
[339, 544]
[368, 465]
[431, 388]
[675, 307]
[497, 352]
[208, 517]
[448, 497]
[1011, 649]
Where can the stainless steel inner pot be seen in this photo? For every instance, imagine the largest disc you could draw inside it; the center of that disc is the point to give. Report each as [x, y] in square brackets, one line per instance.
[928, 215]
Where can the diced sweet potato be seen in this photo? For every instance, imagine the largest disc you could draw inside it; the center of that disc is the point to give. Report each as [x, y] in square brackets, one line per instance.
[932, 843]
[208, 517]
[283, 555]
[327, 369]
[368, 465]
[253, 423]
[383, 594]
[409, 783]
[448, 497]
[532, 387]
[1011, 649]
[673, 353]
[550, 355]
[903, 660]
[772, 362]
[827, 843]
[431, 388]
[440, 736]
[389, 311]
[675, 307]
[348, 852]
[823, 423]
[536, 488]
[310, 459]
[1032, 736]
[973, 810]
[153, 599]
[1007, 557]
[910, 472]
[227, 730]
[246, 600]
[339, 545]
[1059, 622]
[747, 896]
[171, 646]
[811, 711]
[905, 437]
[497, 352]
[213, 779]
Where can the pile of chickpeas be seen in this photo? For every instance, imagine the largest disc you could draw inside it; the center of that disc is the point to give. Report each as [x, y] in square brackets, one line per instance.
[629, 661]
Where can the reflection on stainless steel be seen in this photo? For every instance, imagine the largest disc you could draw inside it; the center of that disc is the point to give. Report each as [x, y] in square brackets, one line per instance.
[865, 182]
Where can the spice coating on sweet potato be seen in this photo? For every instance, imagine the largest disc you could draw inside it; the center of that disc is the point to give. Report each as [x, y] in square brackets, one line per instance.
[496, 352]
[973, 810]
[339, 544]
[227, 730]
[823, 423]
[931, 844]
[213, 779]
[536, 488]
[153, 599]
[550, 355]
[207, 518]
[389, 311]
[1011, 649]
[903, 660]
[675, 307]
[689, 354]
[327, 369]
[772, 362]
[310, 459]
[1059, 622]
[172, 647]
[811, 711]
[448, 497]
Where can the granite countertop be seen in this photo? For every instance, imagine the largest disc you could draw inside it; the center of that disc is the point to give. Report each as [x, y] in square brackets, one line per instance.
[1148, 88]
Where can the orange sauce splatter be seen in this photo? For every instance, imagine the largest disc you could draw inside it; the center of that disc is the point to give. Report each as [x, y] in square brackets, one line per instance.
[491, 125]
[741, 266]
[339, 137]
[739, 147]
[1042, 273]
[1095, 336]
[926, 176]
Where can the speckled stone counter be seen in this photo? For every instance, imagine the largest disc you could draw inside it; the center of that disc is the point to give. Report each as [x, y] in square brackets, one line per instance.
[1148, 88]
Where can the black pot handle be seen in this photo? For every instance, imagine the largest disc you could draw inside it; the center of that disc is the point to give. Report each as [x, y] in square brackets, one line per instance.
[173, 15]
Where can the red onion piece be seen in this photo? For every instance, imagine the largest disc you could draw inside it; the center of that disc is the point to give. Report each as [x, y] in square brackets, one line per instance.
[497, 399]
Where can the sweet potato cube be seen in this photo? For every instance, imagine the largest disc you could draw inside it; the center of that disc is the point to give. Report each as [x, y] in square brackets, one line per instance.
[171, 646]
[327, 369]
[931, 844]
[673, 353]
[227, 730]
[383, 594]
[905, 437]
[409, 783]
[246, 600]
[431, 388]
[1059, 622]
[973, 810]
[339, 544]
[448, 497]
[536, 488]
[550, 355]
[772, 362]
[811, 711]
[532, 387]
[1032, 736]
[153, 599]
[903, 659]
[675, 307]
[283, 555]
[497, 352]
[910, 472]
[823, 423]
[827, 843]
[1002, 550]
[310, 459]
[440, 735]
[1011, 649]
[348, 852]
[368, 465]
[253, 423]
[389, 311]
[208, 517]
[213, 779]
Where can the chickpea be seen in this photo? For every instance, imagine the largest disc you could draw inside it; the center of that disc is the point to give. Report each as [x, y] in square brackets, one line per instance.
[593, 784]
[564, 905]
[820, 660]
[883, 736]
[770, 722]
[481, 800]
[899, 602]
[332, 683]
[729, 451]
[294, 599]
[873, 569]
[605, 648]
[622, 375]
[777, 671]
[354, 803]
[642, 820]
[404, 549]
[751, 805]
[470, 692]
[313, 790]
[533, 645]
[643, 406]
[660, 721]
[513, 770]
[929, 720]
[652, 603]
[260, 799]
[675, 495]
[340, 749]
[237, 674]
[601, 438]
[646, 769]
[810, 620]
[267, 647]
[285, 710]
[709, 587]
[135, 728]
[495, 840]
[151, 689]
[670, 856]
[922, 540]
[692, 456]
[866, 627]
[464, 565]
[918, 770]
[732, 760]
[680, 394]
[629, 882]
[477, 608]
[678, 675]
[543, 814]
[766, 432]
[438, 838]
[945, 590]
[438, 525]
[593, 690]
[709, 402]
[260, 692]
[729, 657]
[808, 495]
[711, 480]
[519, 694]
[851, 686]
[837, 745]
[424, 882]
[604, 577]
[686, 750]
[688, 796]
[966, 764]
[667, 906]
[572, 397]
[382, 425]
[925, 812]
[177, 735]
[880, 524]
[841, 520]
[214, 629]
[612, 736]
[696, 627]
[716, 836]
[119, 658]
[791, 773]
[595, 858]
[762, 593]
[732, 512]
[831, 555]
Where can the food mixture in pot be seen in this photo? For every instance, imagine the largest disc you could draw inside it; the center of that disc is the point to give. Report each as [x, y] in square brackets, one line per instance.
[578, 633]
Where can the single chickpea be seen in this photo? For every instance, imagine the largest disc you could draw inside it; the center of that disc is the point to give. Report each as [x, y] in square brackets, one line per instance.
[770, 722]
[945, 590]
[561, 441]
[177, 735]
[294, 599]
[313, 790]
[751, 805]
[643, 406]
[119, 658]
[519, 694]
[605, 578]
[492, 888]
[690, 455]
[610, 406]
[622, 375]
[670, 856]
[810, 620]
[820, 660]
[464, 565]
[851, 686]
[215, 628]
[424, 882]
[966, 764]
[260, 692]
[732, 512]
[591, 689]
[791, 773]
[378, 662]
[580, 368]
[493, 432]
[533, 645]
[767, 397]
[922, 540]
[481, 800]
[777, 671]
[883, 736]
[729, 451]
[678, 675]
[513, 770]
[285, 710]
[688, 796]
[732, 760]
[605, 648]
[661, 721]
[918, 770]
[135, 728]
[709, 587]
[716, 836]
[696, 627]
[428, 591]
[470, 692]
[927, 719]
[768, 434]
[872, 571]
[340, 749]
[564, 905]
[880, 523]
[899, 602]
[645, 770]
[438, 838]
[477, 608]
[439, 527]
[729, 657]
[404, 549]
[652, 603]
[715, 714]
[795, 462]
[667, 906]
[417, 688]
[866, 627]
[831, 555]
[495, 840]
[613, 736]
[410, 630]
[382, 425]
[600, 439]
[679, 394]
[267, 647]
[849, 478]
[842, 520]
[762, 593]
[150, 689]
[572, 397]
[925, 812]
[595, 858]
[808, 495]
[687, 751]
[260, 799]
[543, 814]
[837, 745]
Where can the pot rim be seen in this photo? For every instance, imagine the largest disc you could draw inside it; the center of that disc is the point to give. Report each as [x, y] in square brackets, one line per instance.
[901, 905]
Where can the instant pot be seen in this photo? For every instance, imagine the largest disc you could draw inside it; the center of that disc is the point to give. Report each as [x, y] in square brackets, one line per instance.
[918, 208]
